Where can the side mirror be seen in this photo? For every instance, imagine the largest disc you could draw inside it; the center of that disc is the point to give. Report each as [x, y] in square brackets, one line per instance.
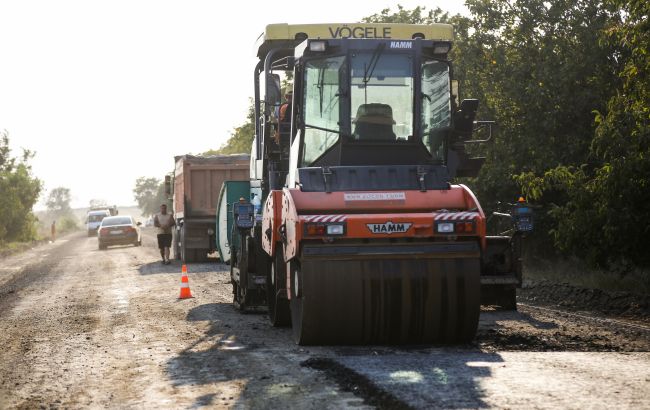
[168, 185]
[464, 118]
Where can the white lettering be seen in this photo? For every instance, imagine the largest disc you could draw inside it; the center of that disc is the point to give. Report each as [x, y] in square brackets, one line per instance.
[401, 44]
[389, 227]
[375, 196]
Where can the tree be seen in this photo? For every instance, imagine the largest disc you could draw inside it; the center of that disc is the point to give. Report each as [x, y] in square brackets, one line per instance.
[150, 194]
[19, 192]
[418, 15]
[97, 203]
[241, 139]
[58, 202]
[608, 197]
[567, 82]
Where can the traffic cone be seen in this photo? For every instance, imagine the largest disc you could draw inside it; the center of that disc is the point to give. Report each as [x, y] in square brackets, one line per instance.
[185, 284]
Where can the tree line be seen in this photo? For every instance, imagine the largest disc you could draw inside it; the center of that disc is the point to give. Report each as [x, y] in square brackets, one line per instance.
[19, 192]
[568, 84]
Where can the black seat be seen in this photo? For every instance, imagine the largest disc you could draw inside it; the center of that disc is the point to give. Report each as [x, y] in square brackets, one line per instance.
[374, 122]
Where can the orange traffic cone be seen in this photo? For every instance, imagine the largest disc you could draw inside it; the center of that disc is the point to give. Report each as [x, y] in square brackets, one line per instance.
[185, 285]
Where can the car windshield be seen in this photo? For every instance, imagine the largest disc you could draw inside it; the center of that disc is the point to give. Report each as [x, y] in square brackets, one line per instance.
[118, 220]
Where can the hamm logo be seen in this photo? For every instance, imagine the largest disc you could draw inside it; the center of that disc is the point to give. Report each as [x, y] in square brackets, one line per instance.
[389, 227]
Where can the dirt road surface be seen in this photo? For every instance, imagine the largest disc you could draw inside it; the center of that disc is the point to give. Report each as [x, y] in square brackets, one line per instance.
[104, 329]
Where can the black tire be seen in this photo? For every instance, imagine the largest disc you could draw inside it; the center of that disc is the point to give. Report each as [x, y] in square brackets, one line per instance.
[301, 328]
[186, 255]
[102, 247]
[279, 310]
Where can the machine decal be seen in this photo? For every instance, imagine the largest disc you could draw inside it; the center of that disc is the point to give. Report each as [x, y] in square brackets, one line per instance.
[456, 216]
[359, 32]
[401, 44]
[324, 218]
[389, 227]
[375, 196]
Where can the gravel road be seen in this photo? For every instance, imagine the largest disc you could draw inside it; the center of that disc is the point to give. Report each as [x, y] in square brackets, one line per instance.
[104, 329]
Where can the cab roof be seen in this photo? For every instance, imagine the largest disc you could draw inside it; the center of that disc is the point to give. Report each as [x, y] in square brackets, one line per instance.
[290, 35]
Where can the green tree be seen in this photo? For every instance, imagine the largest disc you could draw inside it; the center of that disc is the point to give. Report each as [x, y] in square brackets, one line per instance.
[608, 197]
[150, 194]
[58, 202]
[567, 83]
[241, 139]
[419, 15]
[19, 191]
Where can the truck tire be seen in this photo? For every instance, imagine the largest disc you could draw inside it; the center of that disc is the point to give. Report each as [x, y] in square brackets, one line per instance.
[185, 253]
[176, 245]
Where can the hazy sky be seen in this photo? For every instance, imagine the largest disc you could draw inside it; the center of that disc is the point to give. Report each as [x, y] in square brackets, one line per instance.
[107, 91]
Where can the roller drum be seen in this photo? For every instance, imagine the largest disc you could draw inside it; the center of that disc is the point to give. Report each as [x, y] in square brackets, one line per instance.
[402, 300]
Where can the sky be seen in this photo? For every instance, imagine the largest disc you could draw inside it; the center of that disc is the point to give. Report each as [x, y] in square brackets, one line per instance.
[107, 91]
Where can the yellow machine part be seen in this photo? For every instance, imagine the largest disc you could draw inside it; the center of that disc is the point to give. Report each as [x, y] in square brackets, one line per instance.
[395, 299]
[283, 33]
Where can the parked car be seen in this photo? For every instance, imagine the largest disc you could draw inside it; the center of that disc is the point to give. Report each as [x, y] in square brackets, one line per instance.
[119, 230]
[94, 219]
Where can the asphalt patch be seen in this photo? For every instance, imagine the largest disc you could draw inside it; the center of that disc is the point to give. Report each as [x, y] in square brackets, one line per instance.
[350, 381]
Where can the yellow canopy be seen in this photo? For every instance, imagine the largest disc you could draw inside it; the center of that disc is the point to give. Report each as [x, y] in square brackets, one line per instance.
[358, 30]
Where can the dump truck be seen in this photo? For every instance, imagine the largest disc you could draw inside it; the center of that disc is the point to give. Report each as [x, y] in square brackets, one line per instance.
[362, 236]
[194, 188]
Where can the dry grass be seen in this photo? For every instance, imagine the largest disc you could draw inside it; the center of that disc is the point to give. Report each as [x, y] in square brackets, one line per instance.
[577, 274]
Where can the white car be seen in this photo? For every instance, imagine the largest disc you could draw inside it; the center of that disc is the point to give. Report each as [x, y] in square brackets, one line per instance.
[94, 219]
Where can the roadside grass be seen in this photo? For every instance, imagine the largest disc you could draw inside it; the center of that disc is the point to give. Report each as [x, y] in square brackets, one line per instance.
[42, 236]
[576, 273]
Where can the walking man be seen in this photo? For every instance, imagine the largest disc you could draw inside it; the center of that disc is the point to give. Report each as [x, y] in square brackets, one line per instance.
[164, 222]
[53, 230]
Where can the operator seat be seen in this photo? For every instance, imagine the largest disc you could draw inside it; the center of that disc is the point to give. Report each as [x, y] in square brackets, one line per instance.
[374, 122]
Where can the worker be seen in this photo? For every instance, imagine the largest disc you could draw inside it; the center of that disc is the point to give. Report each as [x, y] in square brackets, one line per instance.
[284, 117]
[285, 109]
[164, 222]
[53, 231]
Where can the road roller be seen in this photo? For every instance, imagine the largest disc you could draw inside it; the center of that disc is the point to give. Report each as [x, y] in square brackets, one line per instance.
[352, 229]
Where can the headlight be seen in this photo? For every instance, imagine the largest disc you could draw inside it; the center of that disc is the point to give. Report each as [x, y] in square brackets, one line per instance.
[335, 229]
[320, 229]
[317, 46]
[445, 227]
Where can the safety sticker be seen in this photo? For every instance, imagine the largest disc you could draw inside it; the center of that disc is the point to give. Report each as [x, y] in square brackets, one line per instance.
[375, 196]
[456, 216]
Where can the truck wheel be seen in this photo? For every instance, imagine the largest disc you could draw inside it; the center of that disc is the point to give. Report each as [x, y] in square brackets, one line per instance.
[175, 245]
[186, 255]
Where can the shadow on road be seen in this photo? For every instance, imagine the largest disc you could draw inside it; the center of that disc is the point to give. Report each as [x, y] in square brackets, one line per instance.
[269, 367]
[157, 267]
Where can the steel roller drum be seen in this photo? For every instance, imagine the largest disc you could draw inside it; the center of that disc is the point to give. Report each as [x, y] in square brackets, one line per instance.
[390, 300]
